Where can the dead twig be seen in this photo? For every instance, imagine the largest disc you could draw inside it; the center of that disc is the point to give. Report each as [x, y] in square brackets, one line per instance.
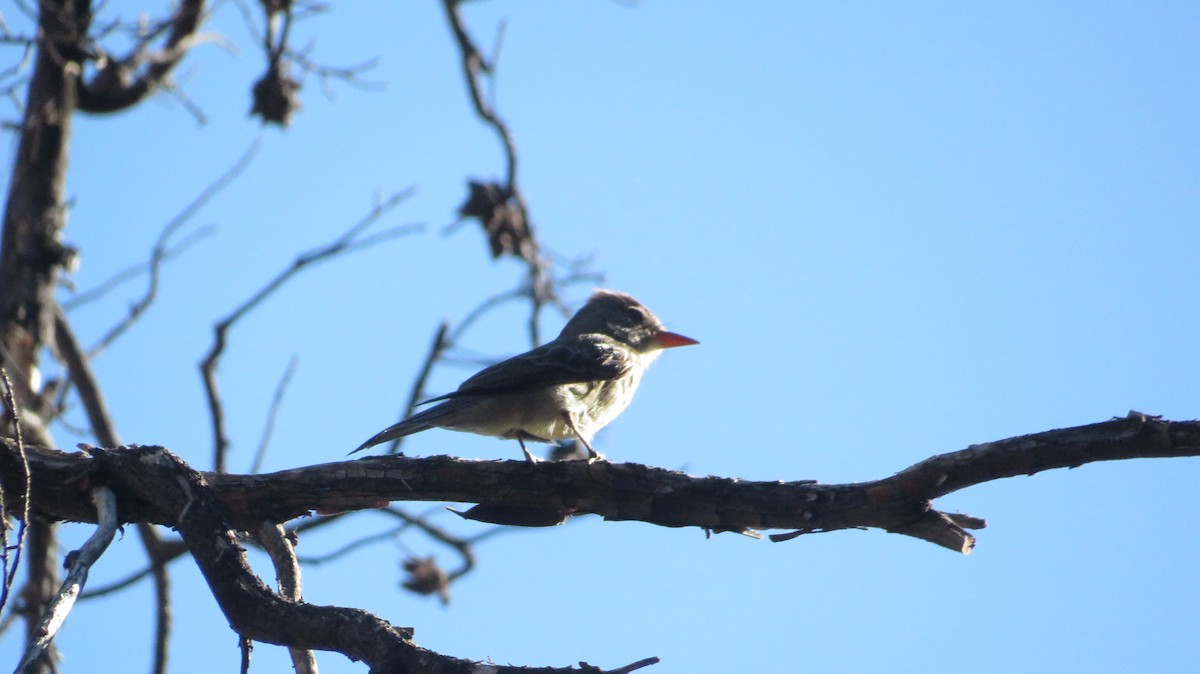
[120, 83]
[347, 242]
[161, 250]
[500, 208]
[276, 94]
[417, 392]
[134, 270]
[273, 412]
[462, 546]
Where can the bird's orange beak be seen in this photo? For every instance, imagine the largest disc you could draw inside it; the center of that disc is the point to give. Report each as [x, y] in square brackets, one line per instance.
[666, 340]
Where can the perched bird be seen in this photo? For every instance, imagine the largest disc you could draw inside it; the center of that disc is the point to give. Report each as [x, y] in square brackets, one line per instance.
[570, 387]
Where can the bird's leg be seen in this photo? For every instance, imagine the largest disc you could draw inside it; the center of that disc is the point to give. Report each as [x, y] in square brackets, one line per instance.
[528, 457]
[593, 455]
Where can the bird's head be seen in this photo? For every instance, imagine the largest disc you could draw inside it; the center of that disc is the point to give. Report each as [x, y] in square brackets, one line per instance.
[623, 318]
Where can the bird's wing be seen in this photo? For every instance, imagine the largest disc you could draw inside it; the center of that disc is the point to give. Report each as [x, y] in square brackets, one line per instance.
[591, 357]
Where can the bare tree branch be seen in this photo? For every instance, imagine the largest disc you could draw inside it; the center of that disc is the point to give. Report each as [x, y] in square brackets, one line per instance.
[501, 208]
[15, 71]
[417, 392]
[273, 412]
[516, 492]
[169, 552]
[474, 65]
[154, 475]
[10, 571]
[161, 252]
[287, 570]
[414, 566]
[133, 271]
[32, 254]
[41, 584]
[159, 553]
[351, 75]
[122, 83]
[78, 563]
[276, 92]
[156, 486]
[347, 242]
[80, 371]
[463, 547]
[338, 553]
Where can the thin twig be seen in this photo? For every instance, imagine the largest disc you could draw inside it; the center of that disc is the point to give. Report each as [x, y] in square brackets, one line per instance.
[175, 90]
[462, 546]
[345, 243]
[474, 65]
[153, 544]
[168, 552]
[158, 253]
[483, 308]
[126, 81]
[273, 412]
[134, 270]
[129, 581]
[79, 563]
[8, 620]
[23, 62]
[317, 560]
[311, 524]
[418, 388]
[10, 574]
[80, 371]
[349, 74]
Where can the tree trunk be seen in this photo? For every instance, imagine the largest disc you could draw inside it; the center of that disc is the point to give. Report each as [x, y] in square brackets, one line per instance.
[31, 249]
[31, 253]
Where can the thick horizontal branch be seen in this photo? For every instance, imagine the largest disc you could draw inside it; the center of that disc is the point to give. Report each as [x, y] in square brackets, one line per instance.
[516, 492]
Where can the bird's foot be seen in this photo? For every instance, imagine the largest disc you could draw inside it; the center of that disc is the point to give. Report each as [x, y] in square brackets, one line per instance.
[528, 457]
[593, 455]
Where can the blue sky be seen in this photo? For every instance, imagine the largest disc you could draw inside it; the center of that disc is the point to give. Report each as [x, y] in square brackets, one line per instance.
[896, 228]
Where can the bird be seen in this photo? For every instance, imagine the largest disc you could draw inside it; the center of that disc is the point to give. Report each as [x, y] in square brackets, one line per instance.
[569, 387]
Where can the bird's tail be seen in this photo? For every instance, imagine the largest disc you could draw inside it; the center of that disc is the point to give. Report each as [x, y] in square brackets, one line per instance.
[414, 424]
[406, 427]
